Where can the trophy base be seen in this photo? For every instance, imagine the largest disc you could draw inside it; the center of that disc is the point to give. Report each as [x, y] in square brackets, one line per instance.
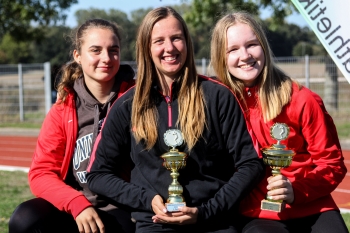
[174, 207]
[272, 206]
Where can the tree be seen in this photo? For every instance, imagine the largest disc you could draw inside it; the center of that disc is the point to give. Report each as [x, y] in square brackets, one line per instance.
[55, 47]
[12, 52]
[17, 17]
[208, 11]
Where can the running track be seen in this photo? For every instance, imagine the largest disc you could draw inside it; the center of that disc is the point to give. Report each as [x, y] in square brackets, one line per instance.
[16, 153]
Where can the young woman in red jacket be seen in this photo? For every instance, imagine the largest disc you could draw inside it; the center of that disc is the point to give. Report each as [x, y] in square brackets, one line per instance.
[89, 84]
[242, 59]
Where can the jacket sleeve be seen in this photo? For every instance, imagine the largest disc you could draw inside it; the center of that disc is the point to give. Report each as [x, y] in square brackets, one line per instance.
[242, 146]
[51, 160]
[327, 169]
[107, 162]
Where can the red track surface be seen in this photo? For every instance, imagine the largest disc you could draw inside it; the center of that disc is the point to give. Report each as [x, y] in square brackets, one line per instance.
[18, 150]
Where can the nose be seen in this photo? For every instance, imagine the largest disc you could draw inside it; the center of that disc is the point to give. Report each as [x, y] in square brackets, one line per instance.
[245, 54]
[168, 46]
[105, 56]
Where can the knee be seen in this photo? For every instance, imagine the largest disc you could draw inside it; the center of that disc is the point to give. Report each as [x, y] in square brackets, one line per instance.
[18, 223]
[26, 216]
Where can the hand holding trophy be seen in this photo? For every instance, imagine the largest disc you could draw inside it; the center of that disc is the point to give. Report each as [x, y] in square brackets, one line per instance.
[173, 161]
[277, 156]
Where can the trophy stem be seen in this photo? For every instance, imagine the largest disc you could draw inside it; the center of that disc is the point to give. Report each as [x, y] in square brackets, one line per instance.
[174, 161]
[275, 171]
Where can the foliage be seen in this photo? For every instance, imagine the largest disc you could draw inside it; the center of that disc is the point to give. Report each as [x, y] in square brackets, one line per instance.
[303, 48]
[17, 16]
[55, 47]
[207, 11]
[14, 52]
[283, 38]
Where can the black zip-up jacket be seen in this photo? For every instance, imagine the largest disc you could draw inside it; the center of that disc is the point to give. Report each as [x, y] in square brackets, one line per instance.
[221, 168]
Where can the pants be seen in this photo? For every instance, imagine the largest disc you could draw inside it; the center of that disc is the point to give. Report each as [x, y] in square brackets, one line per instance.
[325, 222]
[40, 216]
[221, 223]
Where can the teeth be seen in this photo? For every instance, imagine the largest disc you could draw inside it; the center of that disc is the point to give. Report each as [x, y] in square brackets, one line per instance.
[169, 58]
[247, 65]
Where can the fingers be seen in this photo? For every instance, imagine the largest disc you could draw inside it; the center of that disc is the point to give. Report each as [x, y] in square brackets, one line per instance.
[186, 215]
[280, 188]
[277, 182]
[88, 221]
[100, 225]
[158, 205]
[90, 227]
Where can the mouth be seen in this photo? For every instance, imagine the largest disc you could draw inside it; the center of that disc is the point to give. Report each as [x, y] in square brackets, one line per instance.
[246, 66]
[170, 58]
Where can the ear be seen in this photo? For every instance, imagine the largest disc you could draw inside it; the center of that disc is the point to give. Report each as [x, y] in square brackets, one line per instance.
[76, 56]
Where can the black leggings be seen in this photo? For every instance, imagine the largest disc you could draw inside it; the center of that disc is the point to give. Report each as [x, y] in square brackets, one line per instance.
[39, 216]
[326, 222]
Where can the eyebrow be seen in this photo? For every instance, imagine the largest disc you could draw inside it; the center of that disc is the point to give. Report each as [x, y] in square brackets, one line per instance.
[97, 46]
[255, 40]
[175, 35]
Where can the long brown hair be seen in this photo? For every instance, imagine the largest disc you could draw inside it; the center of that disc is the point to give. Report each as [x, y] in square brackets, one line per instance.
[274, 86]
[72, 70]
[191, 118]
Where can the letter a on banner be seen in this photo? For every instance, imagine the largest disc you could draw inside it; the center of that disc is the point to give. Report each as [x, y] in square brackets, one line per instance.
[330, 22]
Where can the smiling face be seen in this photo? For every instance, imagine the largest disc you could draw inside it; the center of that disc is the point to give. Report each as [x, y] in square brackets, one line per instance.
[99, 55]
[168, 47]
[244, 54]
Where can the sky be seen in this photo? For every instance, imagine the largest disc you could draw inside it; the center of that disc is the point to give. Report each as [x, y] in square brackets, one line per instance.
[129, 5]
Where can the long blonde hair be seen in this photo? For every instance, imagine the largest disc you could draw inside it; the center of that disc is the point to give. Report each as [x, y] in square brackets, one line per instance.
[144, 117]
[274, 86]
[72, 70]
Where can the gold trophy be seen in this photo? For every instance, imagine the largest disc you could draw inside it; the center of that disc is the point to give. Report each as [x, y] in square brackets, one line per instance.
[174, 161]
[277, 156]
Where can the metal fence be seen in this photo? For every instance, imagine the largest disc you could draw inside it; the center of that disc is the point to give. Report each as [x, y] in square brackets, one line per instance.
[25, 92]
[26, 95]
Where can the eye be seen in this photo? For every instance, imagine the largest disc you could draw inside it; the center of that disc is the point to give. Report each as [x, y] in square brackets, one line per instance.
[94, 50]
[158, 41]
[114, 51]
[253, 45]
[232, 50]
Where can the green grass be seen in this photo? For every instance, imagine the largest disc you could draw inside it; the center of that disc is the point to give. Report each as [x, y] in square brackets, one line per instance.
[343, 130]
[24, 125]
[14, 190]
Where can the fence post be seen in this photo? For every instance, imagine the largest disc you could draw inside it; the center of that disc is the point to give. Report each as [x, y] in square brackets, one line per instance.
[203, 66]
[20, 92]
[47, 80]
[307, 71]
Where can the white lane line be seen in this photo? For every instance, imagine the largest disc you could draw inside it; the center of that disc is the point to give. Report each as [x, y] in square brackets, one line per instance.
[342, 190]
[14, 168]
[344, 211]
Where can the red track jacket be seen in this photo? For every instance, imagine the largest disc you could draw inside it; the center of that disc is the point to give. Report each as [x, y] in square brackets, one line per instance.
[318, 166]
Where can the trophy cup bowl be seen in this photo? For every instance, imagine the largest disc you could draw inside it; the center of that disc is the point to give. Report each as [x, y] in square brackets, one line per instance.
[174, 161]
[277, 156]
